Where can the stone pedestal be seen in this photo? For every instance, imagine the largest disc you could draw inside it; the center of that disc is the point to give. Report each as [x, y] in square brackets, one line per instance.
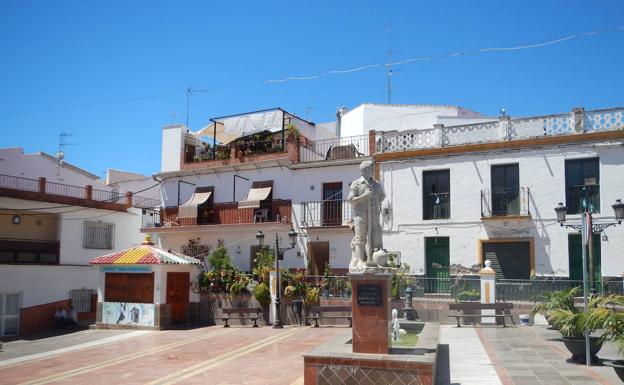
[371, 312]
[488, 291]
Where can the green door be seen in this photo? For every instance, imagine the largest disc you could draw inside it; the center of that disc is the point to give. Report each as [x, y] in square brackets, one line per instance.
[575, 258]
[437, 265]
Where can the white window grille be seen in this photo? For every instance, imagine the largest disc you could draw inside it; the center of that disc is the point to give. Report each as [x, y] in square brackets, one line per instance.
[81, 299]
[98, 235]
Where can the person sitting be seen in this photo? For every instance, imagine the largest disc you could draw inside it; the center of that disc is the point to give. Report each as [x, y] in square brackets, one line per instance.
[72, 317]
[59, 318]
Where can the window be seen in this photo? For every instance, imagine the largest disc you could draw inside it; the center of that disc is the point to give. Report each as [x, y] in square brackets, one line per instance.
[29, 252]
[436, 194]
[582, 185]
[98, 235]
[505, 190]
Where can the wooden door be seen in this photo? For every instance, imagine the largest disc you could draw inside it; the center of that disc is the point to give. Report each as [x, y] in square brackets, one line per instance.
[575, 257]
[178, 296]
[318, 253]
[332, 204]
[437, 259]
[505, 190]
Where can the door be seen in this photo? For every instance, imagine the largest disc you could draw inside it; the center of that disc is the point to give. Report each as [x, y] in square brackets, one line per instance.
[510, 260]
[318, 253]
[575, 258]
[9, 314]
[505, 190]
[437, 260]
[178, 296]
[332, 204]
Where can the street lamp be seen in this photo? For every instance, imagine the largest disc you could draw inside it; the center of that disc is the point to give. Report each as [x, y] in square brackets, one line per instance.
[587, 228]
[292, 236]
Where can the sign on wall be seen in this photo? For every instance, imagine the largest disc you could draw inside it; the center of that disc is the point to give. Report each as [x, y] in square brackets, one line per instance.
[125, 269]
[126, 313]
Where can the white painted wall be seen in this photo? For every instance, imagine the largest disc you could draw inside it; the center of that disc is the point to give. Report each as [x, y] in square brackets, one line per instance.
[382, 117]
[14, 162]
[172, 147]
[543, 171]
[44, 284]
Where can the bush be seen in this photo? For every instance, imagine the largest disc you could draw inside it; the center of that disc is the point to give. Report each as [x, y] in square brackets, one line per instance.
[469, 295]
[219, 259]
[312, 296]
[262, 294]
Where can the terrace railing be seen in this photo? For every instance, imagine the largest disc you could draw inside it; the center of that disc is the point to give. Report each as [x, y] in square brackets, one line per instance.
[504, 129]
[228, 213]
[325, 213]
[41, 189]
[333, 149]
[506, 202]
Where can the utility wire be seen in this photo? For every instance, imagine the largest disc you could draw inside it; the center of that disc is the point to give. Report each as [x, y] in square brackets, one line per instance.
[522, 46]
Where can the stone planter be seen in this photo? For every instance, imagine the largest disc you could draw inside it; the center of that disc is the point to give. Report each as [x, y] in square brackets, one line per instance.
[618, 366]
[577, 347]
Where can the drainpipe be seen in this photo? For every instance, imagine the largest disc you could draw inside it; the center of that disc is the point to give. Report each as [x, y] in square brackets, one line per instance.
[339, 113]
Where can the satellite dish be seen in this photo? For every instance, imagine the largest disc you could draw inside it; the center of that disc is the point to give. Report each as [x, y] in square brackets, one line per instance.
[60, 156]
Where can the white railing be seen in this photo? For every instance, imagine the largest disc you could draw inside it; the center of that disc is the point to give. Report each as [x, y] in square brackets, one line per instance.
[504, 129]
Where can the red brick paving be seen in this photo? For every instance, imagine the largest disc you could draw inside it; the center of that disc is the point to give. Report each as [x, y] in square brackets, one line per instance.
[156, 355]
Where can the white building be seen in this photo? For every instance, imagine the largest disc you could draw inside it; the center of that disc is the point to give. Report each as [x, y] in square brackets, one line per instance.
[461, 188]
[462, 194]
[54, 218]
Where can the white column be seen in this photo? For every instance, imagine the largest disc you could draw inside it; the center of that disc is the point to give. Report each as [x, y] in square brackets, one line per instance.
[273, 289]
[488, 291]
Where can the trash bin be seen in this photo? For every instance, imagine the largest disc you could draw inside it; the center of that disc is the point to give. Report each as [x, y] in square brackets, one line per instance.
[524, 319]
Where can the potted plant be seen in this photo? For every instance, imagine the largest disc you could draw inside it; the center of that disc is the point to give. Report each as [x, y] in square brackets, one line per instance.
[563, 299]
[572, 324]
[609, 316]
[312, 297]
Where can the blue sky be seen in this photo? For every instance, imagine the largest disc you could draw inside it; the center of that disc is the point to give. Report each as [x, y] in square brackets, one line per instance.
[113, 73]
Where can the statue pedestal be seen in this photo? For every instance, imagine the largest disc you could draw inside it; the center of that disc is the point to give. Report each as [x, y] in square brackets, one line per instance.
[371, 311]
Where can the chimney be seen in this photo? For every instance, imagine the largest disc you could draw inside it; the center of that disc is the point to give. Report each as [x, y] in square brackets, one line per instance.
[339, 113]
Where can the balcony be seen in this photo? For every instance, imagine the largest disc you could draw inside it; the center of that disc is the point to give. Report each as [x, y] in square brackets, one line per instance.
[579, 196]
[333, 149]
[436, 206]
[504, 203]
[44, 191]
[228, 213]
[329, 213]
[578, 121]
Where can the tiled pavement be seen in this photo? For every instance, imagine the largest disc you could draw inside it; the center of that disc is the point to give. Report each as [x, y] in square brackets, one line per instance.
[519, 355]
[211, 355]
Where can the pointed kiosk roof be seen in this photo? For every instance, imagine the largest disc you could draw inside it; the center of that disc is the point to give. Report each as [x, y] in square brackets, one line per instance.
[145, 254]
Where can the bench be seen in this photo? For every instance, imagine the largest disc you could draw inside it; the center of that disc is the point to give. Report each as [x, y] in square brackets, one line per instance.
[502, 311]
[317, 312]
[250, 313]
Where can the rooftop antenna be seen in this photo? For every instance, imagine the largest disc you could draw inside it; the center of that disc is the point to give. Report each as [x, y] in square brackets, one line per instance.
[60, 154]
[308, 112]
[189, 93]
[389, 52]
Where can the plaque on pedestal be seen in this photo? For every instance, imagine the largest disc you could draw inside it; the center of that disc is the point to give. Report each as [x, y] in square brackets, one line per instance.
[371, 312]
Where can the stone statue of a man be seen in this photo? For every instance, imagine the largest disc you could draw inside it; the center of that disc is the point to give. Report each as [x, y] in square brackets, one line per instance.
[365, 196]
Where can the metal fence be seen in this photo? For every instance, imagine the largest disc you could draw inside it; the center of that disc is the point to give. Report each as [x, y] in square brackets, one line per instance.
[81, 299]
[325, 213]
[107, 196]
[331, 149]
[18, 183]
[505, 201]
[466, 288]
[65, 190]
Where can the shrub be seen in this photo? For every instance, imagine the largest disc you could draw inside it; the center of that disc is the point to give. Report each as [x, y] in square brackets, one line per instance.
[262, 294]
[469, 295]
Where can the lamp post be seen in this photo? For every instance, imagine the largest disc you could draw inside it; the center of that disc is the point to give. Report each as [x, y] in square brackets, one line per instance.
[292, 236]
[587, 228]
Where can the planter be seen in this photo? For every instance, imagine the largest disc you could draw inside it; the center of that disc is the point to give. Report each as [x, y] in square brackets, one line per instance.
[577, 347]
[618, 366]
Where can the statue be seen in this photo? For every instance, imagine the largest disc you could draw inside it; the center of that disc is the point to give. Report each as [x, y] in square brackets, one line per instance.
[366, 195]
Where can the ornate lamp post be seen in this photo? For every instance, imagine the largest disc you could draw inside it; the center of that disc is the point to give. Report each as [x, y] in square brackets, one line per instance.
[292, 236]
[587, 228]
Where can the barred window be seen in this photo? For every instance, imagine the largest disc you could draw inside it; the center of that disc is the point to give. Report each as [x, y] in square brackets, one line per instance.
[98, 235]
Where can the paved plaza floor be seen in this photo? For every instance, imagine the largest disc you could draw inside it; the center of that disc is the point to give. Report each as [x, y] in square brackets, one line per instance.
[243, 355]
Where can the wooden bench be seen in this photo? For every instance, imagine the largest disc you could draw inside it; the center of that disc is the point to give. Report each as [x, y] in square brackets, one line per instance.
[317, 312]
[502, 310]
[243, 313]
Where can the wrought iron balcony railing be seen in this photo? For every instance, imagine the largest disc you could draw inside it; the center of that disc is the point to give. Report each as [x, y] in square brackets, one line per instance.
[503, 202]
[325, 213]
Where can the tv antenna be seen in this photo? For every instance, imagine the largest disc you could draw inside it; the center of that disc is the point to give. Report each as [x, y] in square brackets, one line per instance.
[60, 154]
[389, 52]
[189, 93]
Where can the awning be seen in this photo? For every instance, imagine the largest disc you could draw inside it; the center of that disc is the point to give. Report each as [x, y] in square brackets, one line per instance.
[255, 195]
[189, 209]
[226, 130]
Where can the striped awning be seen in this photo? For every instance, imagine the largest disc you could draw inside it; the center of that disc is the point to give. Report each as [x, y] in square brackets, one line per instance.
[145, 254]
